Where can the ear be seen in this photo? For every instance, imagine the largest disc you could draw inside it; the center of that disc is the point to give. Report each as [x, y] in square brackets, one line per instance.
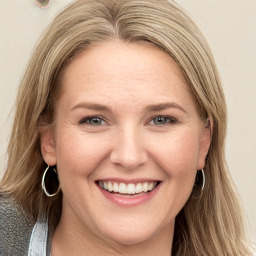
[47, 145]
[205, 142]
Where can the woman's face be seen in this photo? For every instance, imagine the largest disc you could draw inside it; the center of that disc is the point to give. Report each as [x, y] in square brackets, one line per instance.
[127, 142]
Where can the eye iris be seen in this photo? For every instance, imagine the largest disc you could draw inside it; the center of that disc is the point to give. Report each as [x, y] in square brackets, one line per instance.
[160, 120]
[95, 121]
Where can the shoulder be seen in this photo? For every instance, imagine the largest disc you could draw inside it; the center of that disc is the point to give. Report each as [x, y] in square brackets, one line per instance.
[15, 226]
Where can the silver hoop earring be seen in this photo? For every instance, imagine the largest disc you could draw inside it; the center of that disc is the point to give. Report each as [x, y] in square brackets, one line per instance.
[200, 179]
[42, 3]
[50, 178]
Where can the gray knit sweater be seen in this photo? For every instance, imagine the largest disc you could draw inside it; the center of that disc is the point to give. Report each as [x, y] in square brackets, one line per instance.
[15, 229]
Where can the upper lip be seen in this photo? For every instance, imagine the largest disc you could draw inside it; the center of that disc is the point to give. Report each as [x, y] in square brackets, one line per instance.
[128, 181]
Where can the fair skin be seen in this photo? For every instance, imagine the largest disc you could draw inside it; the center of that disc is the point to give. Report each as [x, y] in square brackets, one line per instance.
[124, 117]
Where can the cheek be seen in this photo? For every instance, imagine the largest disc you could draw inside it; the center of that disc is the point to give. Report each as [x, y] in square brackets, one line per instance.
[177, 154]
[79, 155]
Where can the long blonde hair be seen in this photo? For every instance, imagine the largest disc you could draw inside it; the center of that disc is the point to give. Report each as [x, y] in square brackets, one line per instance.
[211, 224]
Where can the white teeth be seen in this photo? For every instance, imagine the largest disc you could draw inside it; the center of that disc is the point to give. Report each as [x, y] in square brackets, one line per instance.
[110, 189]
[115, 187]
[122, 188]
[130, 188]
[150, 185]
[145, 187]
[139, 188]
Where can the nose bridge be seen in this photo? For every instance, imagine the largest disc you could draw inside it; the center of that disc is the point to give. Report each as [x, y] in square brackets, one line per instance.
[129, 150]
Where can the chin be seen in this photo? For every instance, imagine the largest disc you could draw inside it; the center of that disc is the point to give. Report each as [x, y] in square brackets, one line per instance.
[130, 239]
[131, 234]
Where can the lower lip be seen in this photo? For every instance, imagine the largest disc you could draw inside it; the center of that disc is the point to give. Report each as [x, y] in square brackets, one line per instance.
[129, 200]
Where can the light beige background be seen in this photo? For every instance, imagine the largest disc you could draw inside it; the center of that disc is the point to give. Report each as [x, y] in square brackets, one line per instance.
[229, 26]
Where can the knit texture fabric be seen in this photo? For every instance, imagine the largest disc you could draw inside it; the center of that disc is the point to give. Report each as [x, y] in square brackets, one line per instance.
[15, 229]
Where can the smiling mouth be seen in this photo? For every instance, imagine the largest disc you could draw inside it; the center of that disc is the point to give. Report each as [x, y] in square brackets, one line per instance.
[128, 189]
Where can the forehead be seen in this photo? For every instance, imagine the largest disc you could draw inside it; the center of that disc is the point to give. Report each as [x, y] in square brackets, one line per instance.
[117, 70]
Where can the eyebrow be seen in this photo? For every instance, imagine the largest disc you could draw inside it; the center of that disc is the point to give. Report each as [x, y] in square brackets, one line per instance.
[92, 106]
[150, 108]
[163, 106]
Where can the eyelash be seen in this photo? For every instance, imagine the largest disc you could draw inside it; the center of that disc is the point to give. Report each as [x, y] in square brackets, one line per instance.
[87, 120]
[168, 120]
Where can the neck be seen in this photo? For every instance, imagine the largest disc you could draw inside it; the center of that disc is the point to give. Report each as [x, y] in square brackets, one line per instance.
[71, 239]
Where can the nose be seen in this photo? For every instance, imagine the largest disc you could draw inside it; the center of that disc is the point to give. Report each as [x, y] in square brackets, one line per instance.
[128, 151]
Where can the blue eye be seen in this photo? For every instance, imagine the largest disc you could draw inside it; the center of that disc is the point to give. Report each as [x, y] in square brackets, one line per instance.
[162, 120]
[94, 121]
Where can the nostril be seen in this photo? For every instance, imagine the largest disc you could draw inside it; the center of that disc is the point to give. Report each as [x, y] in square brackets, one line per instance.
[128, 160]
